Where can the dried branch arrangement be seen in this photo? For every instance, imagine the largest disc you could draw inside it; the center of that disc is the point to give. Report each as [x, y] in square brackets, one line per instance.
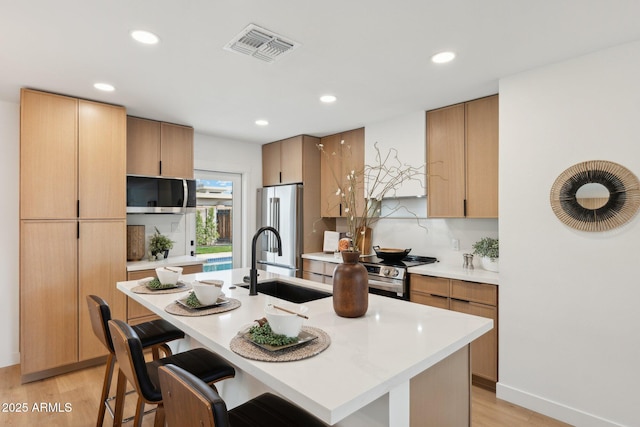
[362, 190]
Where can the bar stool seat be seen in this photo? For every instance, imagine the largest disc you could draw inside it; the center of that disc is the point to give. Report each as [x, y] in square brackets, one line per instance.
[154, 334]
[202, 363]
[190, 402]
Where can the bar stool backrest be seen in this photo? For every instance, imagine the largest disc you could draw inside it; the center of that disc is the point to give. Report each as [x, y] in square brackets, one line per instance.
[100, 314]
[129, 353]
[188, 401]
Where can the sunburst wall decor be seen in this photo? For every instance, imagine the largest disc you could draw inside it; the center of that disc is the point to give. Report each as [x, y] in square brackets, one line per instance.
[609, 212]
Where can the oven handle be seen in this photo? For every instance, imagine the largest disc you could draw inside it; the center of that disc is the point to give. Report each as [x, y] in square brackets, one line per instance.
[386, 285]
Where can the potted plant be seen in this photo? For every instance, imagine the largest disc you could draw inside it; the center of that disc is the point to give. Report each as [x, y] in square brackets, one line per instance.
[488, 248]
[160, 244]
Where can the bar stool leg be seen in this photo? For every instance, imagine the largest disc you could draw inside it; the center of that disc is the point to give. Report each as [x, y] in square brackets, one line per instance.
[120, 395]
[106, 386]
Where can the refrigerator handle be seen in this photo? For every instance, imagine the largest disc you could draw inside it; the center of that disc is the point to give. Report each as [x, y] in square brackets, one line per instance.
[276, 223]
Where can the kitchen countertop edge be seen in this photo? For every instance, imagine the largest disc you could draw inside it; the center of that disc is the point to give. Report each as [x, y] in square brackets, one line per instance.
[169, 262]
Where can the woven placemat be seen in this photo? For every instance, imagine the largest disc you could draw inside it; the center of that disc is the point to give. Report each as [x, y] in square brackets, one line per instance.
[246, 348]
[143, 289]
[180, 310]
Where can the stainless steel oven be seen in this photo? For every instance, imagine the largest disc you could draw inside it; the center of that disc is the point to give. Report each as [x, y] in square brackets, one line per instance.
[391, 278]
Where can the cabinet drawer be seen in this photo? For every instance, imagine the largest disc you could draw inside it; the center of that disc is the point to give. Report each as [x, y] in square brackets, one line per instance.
[428, 299]
[429, 285]
[313, 276]
[318, 267]
[476, 292]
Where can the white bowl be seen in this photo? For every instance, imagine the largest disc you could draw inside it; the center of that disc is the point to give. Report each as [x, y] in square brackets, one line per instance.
[207, 293]
[168, 275]
[284, 323]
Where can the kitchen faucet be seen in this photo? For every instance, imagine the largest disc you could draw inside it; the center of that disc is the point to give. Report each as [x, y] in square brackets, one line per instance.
[253, 273]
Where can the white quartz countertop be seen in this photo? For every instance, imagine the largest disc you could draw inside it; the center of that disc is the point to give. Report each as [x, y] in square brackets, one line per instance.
[478, 274]
[171, 261]
[368, 356]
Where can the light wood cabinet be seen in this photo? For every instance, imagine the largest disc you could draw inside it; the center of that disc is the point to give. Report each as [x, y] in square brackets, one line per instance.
[318, 271]
[136, 313]
[462, 160]
[297, 160]
[479, 299]
[283, 162]
[344, 152]
[159, 149]
[72, 226]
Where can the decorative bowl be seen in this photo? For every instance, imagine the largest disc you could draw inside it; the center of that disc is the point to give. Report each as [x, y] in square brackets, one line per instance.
[168, 275]
[284, 323]
[207, 292]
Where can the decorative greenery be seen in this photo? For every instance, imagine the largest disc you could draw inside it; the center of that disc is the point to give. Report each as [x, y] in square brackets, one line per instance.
[155, 284]
[264, 335]
[487, 247]
[192, 300]
[159, 243]
[382, 179]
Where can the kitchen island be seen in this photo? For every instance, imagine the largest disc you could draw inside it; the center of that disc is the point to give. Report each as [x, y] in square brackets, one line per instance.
[401, 364]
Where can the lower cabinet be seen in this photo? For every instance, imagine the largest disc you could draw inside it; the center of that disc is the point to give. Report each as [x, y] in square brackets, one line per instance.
[479, 299]
[61, 262]
[318, 271]
[136, 313]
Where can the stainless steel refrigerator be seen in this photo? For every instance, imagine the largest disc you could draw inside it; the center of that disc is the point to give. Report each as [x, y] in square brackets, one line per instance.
[281, 208]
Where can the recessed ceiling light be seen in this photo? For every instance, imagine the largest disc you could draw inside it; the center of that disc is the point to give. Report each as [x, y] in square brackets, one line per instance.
[328, 99]
[262, 122]
[442, 57]
[106, 87]
[144, 37]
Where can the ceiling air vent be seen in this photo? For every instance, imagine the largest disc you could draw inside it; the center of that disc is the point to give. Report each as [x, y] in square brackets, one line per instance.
[261, 44]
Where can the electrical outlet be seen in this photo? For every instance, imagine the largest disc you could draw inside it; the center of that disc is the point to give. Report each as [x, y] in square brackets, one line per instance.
[455, 244]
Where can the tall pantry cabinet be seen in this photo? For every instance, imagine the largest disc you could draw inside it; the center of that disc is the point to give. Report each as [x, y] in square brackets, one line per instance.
[72, 227]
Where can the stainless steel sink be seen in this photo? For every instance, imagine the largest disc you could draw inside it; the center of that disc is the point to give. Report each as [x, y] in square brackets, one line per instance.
[289, 292]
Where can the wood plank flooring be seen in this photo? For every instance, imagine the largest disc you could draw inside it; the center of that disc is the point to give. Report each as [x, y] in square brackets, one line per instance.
[71, 400]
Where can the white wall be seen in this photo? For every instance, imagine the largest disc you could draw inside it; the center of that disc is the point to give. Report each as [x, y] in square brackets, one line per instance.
[9, 244]
[569, 317]
[226, 155]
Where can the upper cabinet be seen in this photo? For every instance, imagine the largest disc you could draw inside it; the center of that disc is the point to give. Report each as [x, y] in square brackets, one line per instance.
[283, 161]
[72, 161]
[403, 137]
[344, 153]
[159, 149]
[462, 160]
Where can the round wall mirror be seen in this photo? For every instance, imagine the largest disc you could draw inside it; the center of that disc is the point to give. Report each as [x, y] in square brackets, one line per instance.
[595, 196]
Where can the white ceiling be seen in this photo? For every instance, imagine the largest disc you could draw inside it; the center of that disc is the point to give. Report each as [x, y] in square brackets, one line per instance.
[372, 54]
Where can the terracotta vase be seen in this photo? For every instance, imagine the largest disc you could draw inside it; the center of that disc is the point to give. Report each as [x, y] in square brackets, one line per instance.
[350, 287]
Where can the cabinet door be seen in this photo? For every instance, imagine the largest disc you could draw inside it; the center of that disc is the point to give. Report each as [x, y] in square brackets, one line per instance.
[330, 172]
[48, 295]
[291, 160]
[338, 160]
[271, 164]
[484, 350]
[102, 160]
[482, 157]
[176, 151]
[48, 156]
[446, 162]
[102, 254]
[143, 147]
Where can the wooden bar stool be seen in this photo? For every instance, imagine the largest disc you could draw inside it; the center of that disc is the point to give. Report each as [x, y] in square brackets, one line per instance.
[154, 334]
[190, 402]
[203, 364]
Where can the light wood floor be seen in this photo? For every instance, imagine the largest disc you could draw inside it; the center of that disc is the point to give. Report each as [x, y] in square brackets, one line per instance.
[80, 392]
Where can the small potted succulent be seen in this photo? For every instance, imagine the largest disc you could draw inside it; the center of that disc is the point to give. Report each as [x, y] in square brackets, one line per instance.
[488, 249]
[159, 245]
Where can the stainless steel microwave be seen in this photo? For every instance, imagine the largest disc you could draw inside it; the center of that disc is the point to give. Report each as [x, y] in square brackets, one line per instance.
[147, 194]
